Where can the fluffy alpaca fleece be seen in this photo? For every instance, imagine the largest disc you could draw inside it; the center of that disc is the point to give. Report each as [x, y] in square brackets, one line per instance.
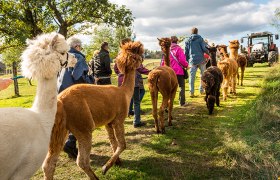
[222, 51]
[212, 79]
[84, 107]
[240, 59]
[212, 53]
[164, 80]
[229, 69]
[25, 133]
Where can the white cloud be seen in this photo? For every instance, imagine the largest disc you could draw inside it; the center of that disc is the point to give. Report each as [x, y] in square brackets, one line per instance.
[217, 20]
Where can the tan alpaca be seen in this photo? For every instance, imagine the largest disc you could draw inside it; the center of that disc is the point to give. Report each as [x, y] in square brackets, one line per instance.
[230, 74]
[240, 59]
[84, 107]
[164, 80]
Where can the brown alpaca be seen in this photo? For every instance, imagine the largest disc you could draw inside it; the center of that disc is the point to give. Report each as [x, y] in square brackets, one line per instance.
[164, 80]
[240, 58]
[229, 68]
[222, 51]
[84, 107]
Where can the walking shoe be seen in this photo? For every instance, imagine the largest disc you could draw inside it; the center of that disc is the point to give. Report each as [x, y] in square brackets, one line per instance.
[72, 152]
[184, 105]
[192, 95]
[131, 113]
[139, 125]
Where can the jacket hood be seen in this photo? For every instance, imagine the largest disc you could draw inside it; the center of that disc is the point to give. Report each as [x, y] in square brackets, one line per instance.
[194, 37]
[74, 51]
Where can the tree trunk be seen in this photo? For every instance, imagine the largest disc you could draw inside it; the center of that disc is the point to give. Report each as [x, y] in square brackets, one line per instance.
[63, 30]
[15, 79]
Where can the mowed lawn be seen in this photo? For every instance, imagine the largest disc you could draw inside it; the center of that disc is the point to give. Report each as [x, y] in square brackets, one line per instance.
[198, 146]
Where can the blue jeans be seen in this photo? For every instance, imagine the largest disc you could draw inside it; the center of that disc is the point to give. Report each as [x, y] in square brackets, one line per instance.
[142, 93]
[136, 102]
[192, 77]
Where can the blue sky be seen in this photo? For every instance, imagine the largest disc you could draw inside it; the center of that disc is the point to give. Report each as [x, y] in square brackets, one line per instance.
[217, 20]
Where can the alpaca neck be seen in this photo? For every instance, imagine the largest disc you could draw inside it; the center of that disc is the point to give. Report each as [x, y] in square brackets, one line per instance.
[213, 56]
[166, 58]
[233, 53]
[45, 103]
[129, 82]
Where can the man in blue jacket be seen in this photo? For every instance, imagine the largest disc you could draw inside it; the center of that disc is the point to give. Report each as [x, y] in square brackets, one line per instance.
[68, 77]
[194, 50]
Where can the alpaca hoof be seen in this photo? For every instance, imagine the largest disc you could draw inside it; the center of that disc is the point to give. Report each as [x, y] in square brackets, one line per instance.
[163, 131]
[170, 124]
[158, 131]
[118, 162]
[104, 169]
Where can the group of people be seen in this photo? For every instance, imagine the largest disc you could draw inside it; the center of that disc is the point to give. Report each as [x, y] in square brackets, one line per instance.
[101, 72]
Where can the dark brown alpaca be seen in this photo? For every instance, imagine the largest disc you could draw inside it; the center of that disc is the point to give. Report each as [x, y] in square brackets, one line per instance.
[164, 80]
[212, 79]
[84, 107]
[212, 53]
[240, 58]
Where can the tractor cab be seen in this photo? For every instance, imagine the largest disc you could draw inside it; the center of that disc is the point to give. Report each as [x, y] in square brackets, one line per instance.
[260, 48]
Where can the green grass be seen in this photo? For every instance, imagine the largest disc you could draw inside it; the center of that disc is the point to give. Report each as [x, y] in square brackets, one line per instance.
[240, 141]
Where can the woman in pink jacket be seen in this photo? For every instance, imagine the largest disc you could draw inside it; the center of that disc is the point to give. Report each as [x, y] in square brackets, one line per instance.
[177, 63]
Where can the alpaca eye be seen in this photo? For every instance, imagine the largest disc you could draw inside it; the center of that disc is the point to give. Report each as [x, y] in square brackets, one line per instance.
[62, 54]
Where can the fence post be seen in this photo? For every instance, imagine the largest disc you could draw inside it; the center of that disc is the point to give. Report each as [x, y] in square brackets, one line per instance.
[15, 79]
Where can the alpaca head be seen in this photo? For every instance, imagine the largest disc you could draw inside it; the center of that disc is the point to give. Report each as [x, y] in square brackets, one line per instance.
[224, 67]
[222, 50]
[44, 56]
[208, 81]
[211, 103]
[234, 44]
[165, 44]
[130, 56]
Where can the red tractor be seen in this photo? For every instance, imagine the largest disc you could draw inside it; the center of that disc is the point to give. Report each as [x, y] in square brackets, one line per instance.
[260, 48]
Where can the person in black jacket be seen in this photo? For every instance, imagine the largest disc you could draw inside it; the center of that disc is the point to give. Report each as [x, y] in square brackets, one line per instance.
[102, 68]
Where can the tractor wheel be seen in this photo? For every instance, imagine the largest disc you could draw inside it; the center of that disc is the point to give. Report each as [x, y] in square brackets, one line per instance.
[272, 58]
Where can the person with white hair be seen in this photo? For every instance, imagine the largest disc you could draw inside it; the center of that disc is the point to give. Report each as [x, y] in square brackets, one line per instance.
[74, 75]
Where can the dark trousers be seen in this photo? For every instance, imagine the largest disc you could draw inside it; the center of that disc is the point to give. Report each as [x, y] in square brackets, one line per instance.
[182, 97]
[136, 102]
[142, 93]
[71, 141]
[104, 81]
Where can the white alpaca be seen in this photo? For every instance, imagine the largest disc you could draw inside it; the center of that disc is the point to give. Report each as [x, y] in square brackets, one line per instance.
[25, 133]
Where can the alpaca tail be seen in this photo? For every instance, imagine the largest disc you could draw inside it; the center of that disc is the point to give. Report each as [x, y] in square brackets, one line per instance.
[153, 78]
[59, 130]
[57, 140]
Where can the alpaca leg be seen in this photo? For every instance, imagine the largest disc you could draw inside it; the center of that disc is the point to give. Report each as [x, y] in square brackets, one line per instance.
[218, 98]
[119, 134]
[113, 140]
[238, 76]
[84, 144]
[154, 96]
[161, 113]
[170, 107]
[242, 74]
[58, 136]
[234, 84]
[49, 163]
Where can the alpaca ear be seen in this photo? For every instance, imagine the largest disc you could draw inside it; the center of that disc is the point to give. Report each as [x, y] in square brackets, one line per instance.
[158, 39]
[54, 40]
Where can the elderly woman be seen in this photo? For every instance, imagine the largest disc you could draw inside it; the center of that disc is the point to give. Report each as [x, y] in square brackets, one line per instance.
[68, 77]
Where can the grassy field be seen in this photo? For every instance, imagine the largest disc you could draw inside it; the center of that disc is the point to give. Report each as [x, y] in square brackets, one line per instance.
[240, 141]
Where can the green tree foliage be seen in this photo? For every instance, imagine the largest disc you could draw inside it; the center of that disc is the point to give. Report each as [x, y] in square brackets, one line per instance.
[21, 19]
[109, 34]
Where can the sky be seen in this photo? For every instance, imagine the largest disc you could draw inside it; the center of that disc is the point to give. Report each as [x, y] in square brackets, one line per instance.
[217, 20]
